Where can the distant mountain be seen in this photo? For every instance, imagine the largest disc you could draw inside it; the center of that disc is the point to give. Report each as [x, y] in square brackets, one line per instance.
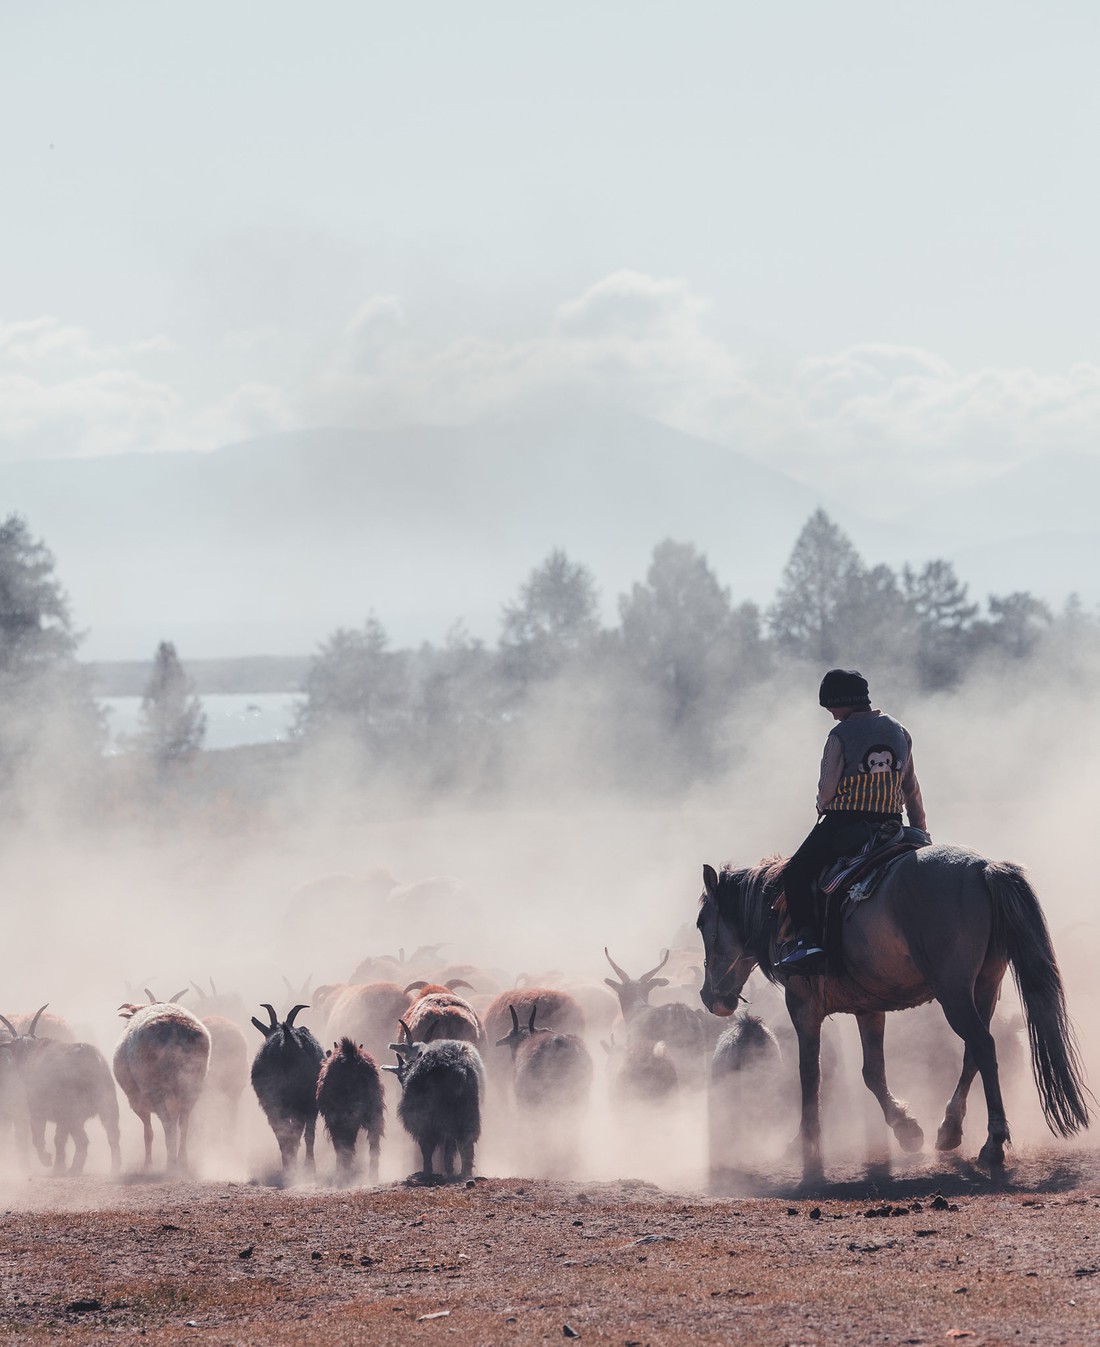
[266, 546]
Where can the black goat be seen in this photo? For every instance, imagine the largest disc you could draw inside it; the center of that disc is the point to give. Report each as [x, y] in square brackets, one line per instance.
[66, 1084]
[284, 1076]
[442, 1085]
[349, 1099]
[552, 1071]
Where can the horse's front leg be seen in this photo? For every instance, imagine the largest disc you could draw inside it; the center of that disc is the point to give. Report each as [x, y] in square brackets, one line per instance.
[872, 1025]
[807, 1023]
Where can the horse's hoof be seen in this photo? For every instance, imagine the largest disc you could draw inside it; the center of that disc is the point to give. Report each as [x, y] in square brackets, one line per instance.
[992, 1155]
[949, 1137]
[909, 1134]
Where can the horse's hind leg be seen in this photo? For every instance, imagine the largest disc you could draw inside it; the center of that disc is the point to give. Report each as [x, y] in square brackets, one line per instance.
[871, 1028]
[971, 1022]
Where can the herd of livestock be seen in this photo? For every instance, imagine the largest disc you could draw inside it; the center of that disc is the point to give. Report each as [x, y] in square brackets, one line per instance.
[529, 1047]
[452, 1038]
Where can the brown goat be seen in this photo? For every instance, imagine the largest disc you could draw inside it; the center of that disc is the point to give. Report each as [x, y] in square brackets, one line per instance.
[557, 1010]
[367, 1013]
[349, 1099]
[444, 1014]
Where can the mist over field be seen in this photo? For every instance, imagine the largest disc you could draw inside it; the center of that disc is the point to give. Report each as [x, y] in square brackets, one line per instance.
[544, 403]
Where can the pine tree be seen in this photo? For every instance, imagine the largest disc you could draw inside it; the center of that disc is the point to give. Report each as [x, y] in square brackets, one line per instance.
[820, 588]
[172, 718]
[48, 717]
[554, 620]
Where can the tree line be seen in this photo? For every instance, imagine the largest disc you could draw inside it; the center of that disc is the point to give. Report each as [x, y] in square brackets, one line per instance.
[646, 702]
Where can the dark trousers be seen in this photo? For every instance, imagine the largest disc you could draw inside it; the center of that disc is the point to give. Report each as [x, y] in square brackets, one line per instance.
[835, 835]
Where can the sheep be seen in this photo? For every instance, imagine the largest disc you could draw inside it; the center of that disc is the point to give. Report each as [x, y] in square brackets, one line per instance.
[161, 1063]
[349, 1098]
[284, 1076]
[452, 1016]
[66, 1084]
[443, 1084]
[551, 1071]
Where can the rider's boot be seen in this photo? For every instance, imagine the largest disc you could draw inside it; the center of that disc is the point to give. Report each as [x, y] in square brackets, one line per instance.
[803, 954]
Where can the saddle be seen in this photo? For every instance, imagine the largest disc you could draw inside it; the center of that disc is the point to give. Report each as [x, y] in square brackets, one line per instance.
[854, 876]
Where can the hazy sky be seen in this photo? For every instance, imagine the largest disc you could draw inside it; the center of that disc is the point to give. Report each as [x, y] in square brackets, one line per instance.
[846, 237]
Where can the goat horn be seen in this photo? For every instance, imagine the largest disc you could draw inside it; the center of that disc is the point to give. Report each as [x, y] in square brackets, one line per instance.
[294, 1011]
[177, 996]
[34, 1022]
[416, 986]
[624, 976]
[213, 989]
[459, 982]
[531, 1021]
[289, 988]
[202, 994]
[654, 971]
[271, 1011]
[149, 994]
[515, 1020]
[8, 1026]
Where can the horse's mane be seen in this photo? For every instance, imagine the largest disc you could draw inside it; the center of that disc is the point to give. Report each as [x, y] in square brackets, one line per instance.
[746, 896]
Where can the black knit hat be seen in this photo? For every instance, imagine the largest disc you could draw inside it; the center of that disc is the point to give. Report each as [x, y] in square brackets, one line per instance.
[844, 687]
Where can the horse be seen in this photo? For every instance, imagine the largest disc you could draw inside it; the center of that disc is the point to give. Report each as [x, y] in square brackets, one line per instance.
[944, 923]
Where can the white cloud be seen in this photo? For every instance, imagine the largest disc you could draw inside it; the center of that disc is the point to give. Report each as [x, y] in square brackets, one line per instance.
[842, 420]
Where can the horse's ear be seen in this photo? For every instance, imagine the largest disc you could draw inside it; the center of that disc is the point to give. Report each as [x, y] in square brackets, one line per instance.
[710, 880]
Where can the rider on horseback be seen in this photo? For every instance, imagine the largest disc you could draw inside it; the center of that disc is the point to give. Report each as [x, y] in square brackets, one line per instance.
[867, 775]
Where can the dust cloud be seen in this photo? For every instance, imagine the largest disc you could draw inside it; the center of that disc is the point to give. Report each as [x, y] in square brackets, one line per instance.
[268, 903]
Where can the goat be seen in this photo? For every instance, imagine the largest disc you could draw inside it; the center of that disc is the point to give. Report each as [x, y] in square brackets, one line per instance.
[284, 1076]
[451, 1015]
[442, 1086]
[349, 1099]
[66, 1084]
[745, 1045]
[368, 1013]
[558, 1009]
[675, 1025]
[551, 1071]
[641, 1073]
[52, 1026]
[161, 1063]
[227, 1005]
[228, 1071]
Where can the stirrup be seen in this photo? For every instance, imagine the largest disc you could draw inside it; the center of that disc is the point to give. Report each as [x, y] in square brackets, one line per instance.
[801, 956]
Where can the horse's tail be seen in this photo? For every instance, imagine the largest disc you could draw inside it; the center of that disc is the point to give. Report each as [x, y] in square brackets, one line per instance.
[1055, 1059]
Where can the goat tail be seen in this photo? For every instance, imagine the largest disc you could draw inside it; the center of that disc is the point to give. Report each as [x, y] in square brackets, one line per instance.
[1055, 1057]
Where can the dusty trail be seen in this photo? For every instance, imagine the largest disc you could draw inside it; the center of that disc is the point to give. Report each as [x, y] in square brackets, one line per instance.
[513, 1260]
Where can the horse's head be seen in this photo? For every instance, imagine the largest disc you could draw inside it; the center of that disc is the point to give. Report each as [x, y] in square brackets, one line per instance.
[728, 960]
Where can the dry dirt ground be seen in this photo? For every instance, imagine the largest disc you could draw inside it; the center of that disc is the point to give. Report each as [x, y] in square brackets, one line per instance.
[868, 1258]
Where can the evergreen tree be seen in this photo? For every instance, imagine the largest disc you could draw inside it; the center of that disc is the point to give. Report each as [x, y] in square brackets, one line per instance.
[173, 721]
[945, 622]
[47, 714]
[355, 688]
[819, 591]
[680, 631]
[554, 620]
[1019, 622]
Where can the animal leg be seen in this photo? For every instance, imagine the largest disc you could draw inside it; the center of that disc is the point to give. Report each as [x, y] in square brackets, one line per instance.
[38, 1135]
[426, 1149]
[310, 1134]
[111, 1128]
[969, 1016]
[60, 1139]
[950, 1134]
[807, 1023]
[375, 1145]
[170, 1122]
[147, 1128]
[79, 1135]
[871, 1029]
[467, 1159]
[450, 1148]
[181, 1152]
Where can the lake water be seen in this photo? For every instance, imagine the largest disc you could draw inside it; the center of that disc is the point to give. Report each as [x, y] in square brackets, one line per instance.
[233, 719]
